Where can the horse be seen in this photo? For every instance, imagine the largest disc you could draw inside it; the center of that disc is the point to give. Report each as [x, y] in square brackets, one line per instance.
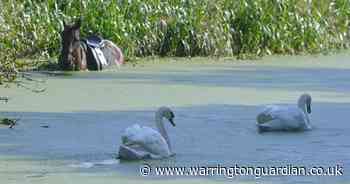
[91, 53]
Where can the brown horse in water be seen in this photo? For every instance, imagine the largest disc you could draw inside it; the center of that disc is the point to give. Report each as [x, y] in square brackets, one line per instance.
[80, 54]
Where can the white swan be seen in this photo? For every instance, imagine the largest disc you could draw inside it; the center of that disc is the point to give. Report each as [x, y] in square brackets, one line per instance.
[139, 142]
[286, 118]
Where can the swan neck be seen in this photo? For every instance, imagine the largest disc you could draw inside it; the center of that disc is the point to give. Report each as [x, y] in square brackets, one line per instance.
[302, 104]
[161, 128]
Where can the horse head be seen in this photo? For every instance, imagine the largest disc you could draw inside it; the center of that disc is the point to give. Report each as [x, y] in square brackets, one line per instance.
[70, 37]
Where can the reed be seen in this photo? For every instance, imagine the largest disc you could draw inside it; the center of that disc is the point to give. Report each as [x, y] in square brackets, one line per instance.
[182, 27]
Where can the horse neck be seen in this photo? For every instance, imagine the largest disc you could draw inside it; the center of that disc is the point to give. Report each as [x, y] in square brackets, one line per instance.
[79, 56]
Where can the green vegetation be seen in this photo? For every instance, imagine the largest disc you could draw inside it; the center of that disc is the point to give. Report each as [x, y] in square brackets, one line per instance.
[8, 122]
[180, 27]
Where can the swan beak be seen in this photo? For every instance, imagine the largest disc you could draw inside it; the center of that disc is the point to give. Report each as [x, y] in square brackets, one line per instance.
[308, 108]
[172, 121]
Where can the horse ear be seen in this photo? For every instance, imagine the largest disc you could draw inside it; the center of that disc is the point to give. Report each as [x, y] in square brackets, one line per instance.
[77, 23]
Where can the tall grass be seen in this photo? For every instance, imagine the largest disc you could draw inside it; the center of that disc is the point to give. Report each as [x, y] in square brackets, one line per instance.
[182, 27]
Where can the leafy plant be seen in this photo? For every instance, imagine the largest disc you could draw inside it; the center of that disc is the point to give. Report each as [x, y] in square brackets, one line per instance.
[182, 27]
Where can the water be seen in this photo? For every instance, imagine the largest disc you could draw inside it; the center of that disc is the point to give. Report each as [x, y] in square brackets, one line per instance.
[215, 105]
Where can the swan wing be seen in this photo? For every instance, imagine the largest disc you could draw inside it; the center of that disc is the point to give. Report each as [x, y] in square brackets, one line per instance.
[132, 152]
[145, 139]
[265, 115]
[281, 117]
[132, 134]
